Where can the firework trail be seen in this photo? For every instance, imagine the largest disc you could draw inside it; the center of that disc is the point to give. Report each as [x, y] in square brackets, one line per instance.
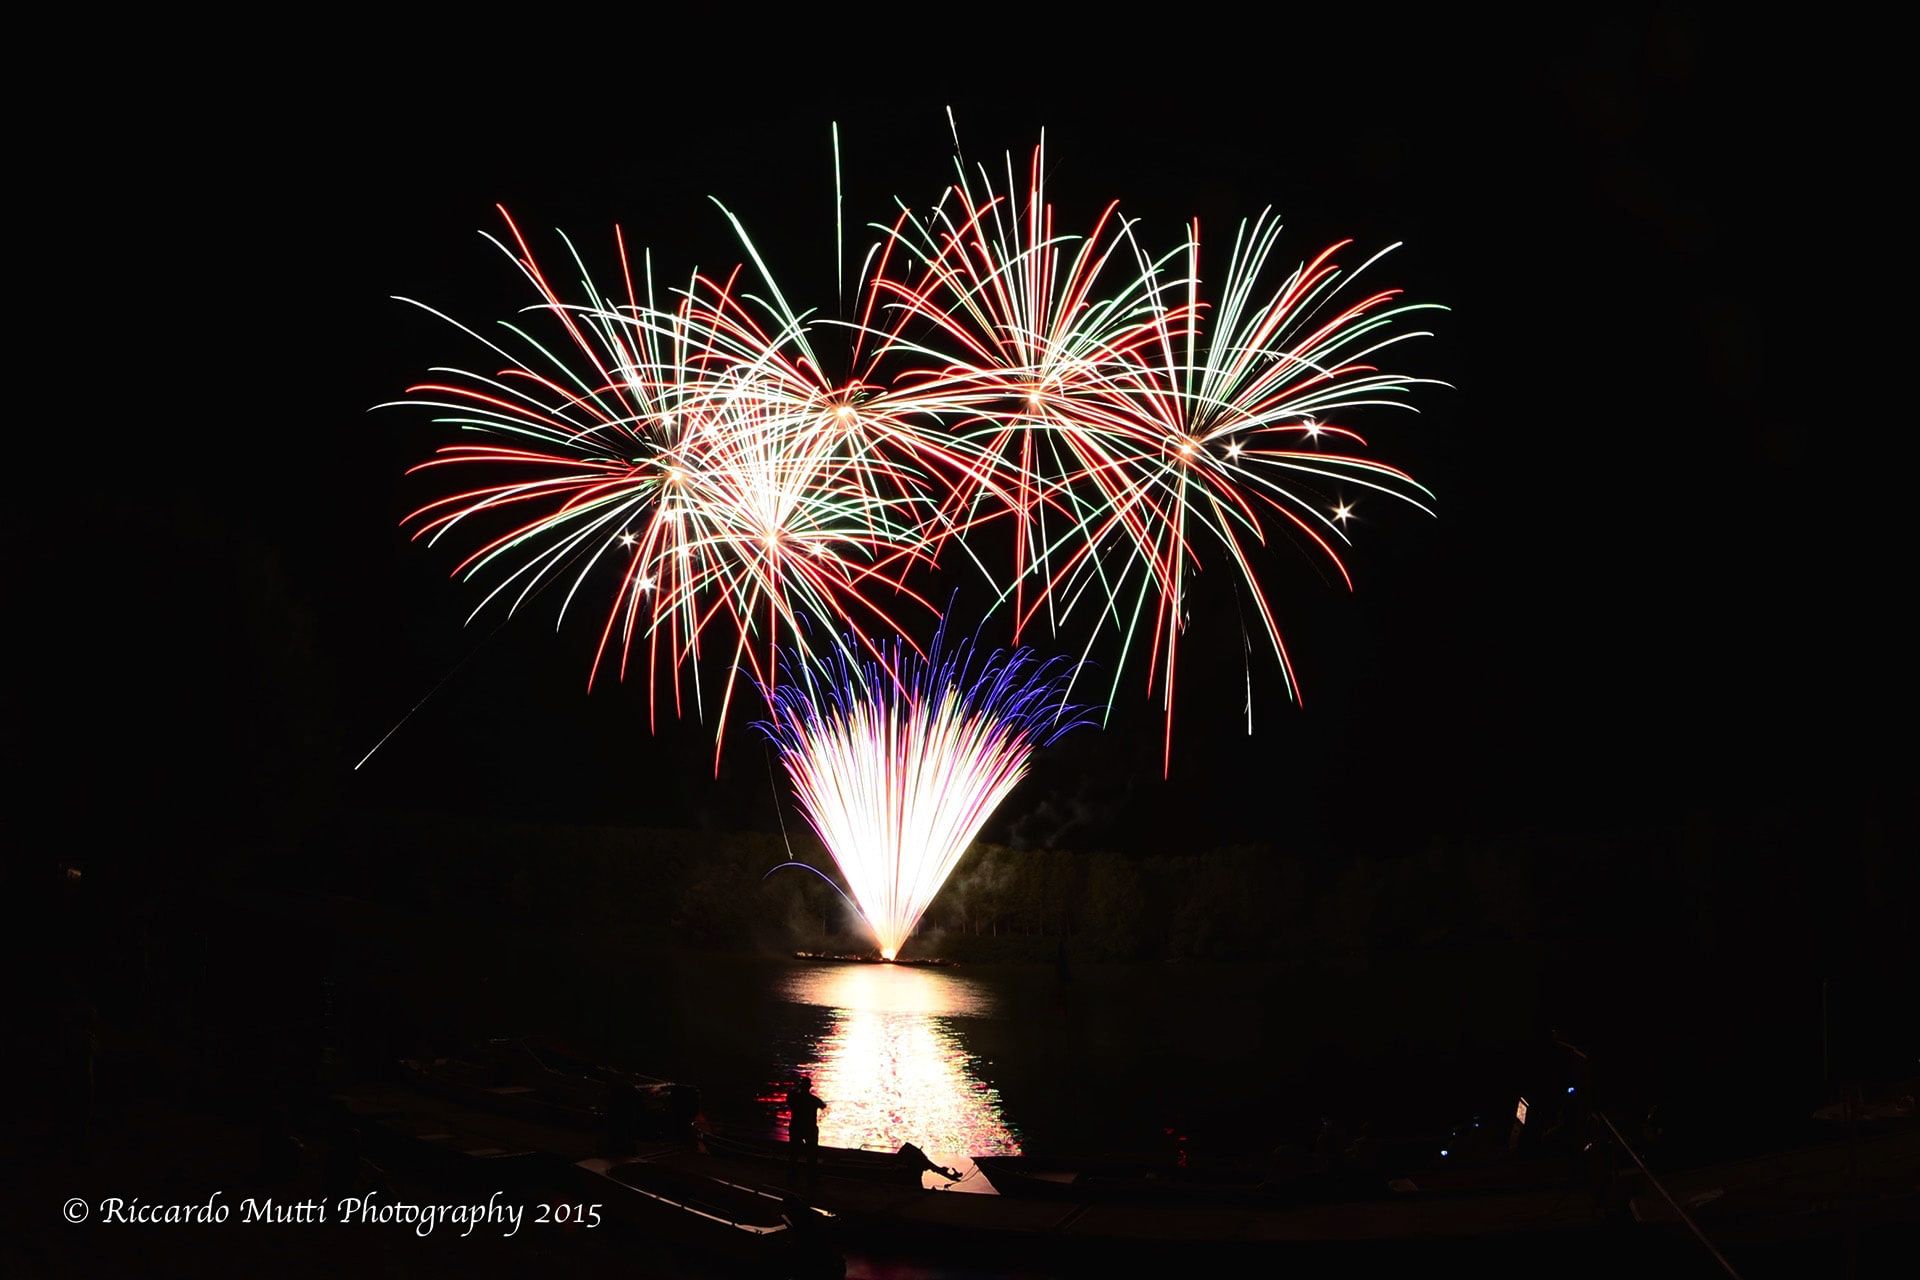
[693, 455]
[897, 765]
[1129, 423]
[1138, 430]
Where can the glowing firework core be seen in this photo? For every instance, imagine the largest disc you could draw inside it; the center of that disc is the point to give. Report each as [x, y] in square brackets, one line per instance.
[897, 767]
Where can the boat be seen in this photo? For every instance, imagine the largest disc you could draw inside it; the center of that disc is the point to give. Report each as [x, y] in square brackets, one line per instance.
[719, 1219]
[1542, 1143]
[543, 1083]
[1887, 1107]
[1478, 1156]
[1811, 1191]
[902, 1168]
[1099, 1181]
[428, 1146]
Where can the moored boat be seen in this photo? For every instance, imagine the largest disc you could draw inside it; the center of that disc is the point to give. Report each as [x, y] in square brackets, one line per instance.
[1109, 1180]
[538, 1082]
[901, 1168]
[720, 1219]
[1825, 1189]
[428, 1146]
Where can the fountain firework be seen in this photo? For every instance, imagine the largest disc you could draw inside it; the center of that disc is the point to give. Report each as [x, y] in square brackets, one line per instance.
[897, 765]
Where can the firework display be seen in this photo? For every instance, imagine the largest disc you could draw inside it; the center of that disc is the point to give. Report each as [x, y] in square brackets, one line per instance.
[689, 452]
[898, 764]
[1083, 422]
[1140, 431]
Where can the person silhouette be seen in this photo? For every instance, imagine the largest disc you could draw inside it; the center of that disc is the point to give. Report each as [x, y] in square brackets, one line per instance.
[803, 1127]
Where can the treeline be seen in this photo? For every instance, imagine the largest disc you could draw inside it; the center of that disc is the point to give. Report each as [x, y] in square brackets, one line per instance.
[1235, 903]
[729, 890]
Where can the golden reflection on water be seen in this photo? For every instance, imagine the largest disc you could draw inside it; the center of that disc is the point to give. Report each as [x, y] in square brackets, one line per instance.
[893, 1065]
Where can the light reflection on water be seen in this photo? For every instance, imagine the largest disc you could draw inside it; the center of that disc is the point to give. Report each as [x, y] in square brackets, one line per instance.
[893, 1064]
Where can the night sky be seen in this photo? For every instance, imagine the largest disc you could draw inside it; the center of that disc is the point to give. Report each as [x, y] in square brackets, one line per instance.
[1661, 583]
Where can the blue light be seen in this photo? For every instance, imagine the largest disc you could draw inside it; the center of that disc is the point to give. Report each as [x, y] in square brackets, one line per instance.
[1443, 1151]
[1569, 1088]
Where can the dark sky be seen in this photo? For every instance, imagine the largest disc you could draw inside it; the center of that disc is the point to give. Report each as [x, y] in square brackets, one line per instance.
[1661, 581]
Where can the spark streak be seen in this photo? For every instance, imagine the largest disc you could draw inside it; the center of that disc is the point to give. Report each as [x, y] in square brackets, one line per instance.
[897, 766]
[1125, 426]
